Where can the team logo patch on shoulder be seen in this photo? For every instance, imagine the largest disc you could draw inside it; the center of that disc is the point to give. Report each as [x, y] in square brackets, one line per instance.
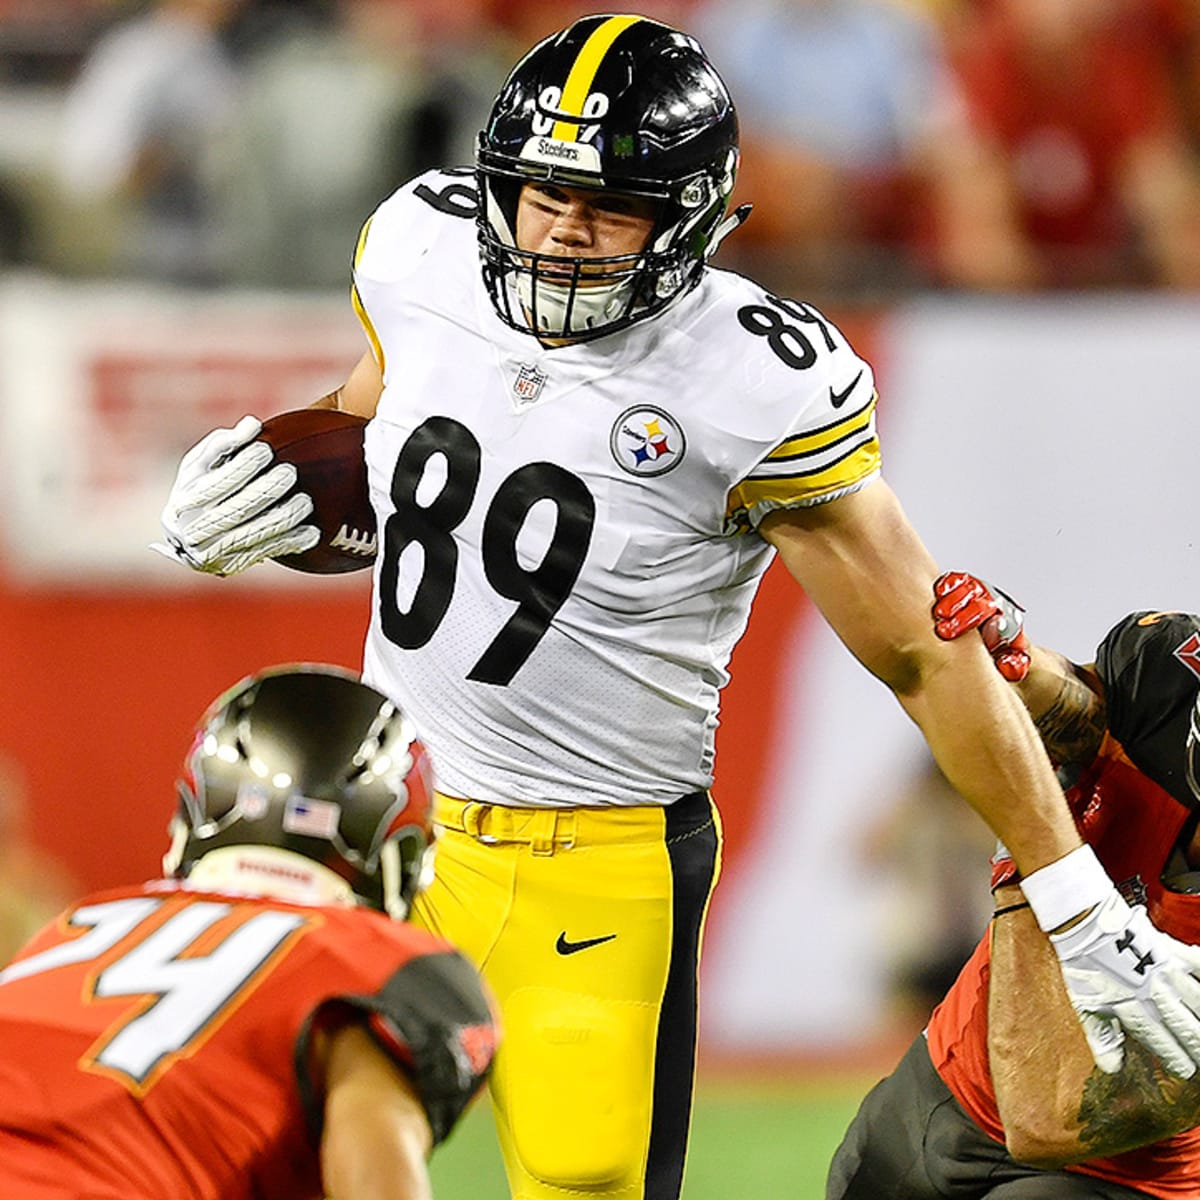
[1189, 654]
[647, 441]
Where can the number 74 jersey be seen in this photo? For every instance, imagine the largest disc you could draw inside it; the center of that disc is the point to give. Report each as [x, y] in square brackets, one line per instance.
[157, 1042]
[568, 536]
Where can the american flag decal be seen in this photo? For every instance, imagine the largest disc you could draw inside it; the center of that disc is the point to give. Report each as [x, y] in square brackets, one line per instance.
[311, 818]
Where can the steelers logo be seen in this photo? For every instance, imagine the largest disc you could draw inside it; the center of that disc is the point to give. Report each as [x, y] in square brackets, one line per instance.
[647, 441]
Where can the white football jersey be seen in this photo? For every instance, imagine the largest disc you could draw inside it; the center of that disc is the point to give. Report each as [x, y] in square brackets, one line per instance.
[567, 536]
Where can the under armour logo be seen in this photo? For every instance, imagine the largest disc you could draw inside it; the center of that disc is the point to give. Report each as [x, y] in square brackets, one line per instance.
[1133, 890]
[1125, 942]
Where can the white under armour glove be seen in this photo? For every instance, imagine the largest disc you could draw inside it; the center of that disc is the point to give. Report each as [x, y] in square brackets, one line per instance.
[222, 515]
[1123, 976]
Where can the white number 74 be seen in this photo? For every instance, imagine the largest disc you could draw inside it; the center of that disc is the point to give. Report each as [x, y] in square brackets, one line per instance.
[191, 992]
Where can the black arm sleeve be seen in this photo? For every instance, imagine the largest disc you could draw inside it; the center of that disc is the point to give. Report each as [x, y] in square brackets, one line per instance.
[434, 1020]
[433, 1017]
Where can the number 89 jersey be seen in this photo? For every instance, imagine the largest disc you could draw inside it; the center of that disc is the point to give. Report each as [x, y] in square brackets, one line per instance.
[568, 546]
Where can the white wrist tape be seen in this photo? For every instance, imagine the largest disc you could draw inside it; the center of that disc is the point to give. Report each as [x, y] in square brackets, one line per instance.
[1065, 888]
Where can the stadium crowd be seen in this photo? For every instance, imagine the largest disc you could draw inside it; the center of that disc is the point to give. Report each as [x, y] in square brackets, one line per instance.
[889, 145]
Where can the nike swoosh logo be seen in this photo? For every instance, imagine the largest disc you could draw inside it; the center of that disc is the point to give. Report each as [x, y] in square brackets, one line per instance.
[837, 399]
[565, 947]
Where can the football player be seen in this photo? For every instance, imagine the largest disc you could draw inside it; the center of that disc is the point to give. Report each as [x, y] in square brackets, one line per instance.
[261, 1022]
[586, 445]
[1000, 1097]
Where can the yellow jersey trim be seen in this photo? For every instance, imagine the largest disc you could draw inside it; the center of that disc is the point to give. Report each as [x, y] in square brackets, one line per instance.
[362, 240]
[372, 337]
[806, 487]
[829, 435]
[360, 310]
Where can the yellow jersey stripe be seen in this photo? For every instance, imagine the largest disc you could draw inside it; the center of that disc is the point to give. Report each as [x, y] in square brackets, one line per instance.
[583, 73]
[356, 300]
[362, 240]
[828, 435]
[854, 466]
[372, 337]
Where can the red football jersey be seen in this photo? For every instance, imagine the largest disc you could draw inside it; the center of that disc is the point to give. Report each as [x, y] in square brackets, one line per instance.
[1132, 812]
[155, 1041]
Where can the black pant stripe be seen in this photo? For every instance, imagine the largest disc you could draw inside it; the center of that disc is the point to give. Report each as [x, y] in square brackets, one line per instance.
[692, 847]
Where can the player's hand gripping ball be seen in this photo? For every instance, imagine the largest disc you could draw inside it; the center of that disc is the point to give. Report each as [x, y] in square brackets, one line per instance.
[293, 489]
[326, 448]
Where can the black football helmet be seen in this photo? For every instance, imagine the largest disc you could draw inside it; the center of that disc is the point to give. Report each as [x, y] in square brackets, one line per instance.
[614, 102]
[305, 760]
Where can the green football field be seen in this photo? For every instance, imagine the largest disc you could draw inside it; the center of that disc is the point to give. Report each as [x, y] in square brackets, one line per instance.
[749, 1141]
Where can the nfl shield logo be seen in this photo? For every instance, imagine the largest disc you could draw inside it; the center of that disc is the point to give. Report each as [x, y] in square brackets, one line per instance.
[529, 383]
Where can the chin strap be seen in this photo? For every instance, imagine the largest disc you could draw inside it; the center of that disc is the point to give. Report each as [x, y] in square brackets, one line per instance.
[726, 227]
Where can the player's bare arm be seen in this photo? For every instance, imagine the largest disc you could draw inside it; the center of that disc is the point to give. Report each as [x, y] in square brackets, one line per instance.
[1057, 1106]
[1065, 700]
[376, 1137]
[361, 391]
[234, 505]
[865, 568]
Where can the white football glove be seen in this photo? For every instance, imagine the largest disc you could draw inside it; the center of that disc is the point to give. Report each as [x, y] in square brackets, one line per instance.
[1123, 975]
[222, 517]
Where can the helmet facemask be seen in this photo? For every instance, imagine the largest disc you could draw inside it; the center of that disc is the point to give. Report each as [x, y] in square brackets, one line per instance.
[659, 126]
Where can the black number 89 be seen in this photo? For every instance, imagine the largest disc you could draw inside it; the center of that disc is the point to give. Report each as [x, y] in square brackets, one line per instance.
[539, 591]
[787, 341]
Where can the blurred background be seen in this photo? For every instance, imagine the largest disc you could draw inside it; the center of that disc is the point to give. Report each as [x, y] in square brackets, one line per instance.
[998, 202]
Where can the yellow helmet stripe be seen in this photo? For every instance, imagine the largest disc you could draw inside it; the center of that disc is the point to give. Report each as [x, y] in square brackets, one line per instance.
[583, 73]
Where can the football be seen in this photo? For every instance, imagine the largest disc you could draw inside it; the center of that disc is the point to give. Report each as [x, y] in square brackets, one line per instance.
[326, 448]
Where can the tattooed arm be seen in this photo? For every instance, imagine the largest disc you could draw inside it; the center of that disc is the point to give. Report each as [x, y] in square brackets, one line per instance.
[1066, 702]
[1056, 1105]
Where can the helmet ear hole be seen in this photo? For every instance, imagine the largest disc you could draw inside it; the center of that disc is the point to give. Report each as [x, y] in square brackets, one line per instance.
[654, 121]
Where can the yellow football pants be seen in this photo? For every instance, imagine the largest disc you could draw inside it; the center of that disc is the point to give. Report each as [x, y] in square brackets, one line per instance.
[586, 923]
